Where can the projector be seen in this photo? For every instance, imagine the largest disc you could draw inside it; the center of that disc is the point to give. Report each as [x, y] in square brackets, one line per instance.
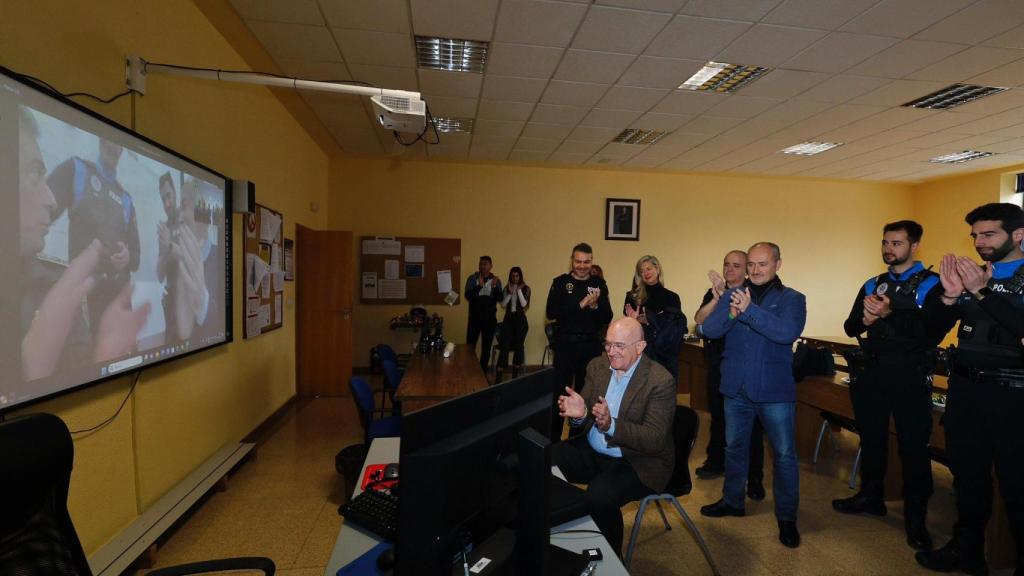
[400, 110]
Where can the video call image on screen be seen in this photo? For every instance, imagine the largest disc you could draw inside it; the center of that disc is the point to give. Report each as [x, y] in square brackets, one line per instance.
[122, 251]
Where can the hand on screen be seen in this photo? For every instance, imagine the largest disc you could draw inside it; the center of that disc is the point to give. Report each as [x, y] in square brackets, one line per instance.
[190, 285]
[119, 326]
[43, 343]
[119, 260]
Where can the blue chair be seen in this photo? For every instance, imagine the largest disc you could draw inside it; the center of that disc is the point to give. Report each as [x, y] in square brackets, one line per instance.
[392, 378]
[362, 395]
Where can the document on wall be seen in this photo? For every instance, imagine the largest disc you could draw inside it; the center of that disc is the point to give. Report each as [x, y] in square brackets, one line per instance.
[382, 246]
[270, 226]
[391, 269]
[414, 253]
[444, 281]
[392, 289]
[369, 285]
[276, 262]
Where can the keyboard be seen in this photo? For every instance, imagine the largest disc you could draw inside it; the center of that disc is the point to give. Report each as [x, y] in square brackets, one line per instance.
[374, 510]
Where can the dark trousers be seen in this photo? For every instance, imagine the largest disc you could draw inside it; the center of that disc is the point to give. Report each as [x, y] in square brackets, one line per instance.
[482, 328]
[611, 484]
[512, 339]
[905, 393]
[716, 444]
[571, 359]
[984, 425]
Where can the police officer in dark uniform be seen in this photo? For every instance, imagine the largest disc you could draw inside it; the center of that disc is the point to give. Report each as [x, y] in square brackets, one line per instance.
[483, 293]
[891, 374]
[578, 304]
[985, 407]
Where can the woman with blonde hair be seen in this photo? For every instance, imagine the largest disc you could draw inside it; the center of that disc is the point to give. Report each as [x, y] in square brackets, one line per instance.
[659, 311]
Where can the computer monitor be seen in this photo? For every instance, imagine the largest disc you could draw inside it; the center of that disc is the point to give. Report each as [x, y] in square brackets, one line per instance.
[464, 475]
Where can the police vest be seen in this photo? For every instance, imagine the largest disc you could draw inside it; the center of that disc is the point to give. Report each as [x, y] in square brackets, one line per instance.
[982, 341]
[903, 330]
[100, 209]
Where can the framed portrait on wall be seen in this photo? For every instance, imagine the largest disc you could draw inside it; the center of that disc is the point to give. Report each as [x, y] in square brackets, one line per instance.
[622, 219]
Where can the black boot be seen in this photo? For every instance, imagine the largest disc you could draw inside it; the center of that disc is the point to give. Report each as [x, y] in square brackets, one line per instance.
[860, 503]
[951, 557]
[914, 514]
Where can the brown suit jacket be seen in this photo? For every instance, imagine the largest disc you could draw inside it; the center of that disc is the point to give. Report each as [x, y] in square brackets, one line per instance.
[643, 428]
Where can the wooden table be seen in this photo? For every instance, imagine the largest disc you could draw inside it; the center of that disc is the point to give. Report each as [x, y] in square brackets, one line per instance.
[431, 378]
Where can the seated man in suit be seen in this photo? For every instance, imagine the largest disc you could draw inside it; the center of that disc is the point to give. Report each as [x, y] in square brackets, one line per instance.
[625, 412]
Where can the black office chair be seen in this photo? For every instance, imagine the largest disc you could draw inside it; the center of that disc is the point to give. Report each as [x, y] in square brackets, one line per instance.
[684, 433]
[37, 537]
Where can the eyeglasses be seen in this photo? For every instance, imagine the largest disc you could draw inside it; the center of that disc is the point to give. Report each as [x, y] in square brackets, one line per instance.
[618, 346]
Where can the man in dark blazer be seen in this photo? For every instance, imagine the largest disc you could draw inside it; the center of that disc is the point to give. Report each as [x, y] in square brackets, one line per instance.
[625, 412]
[759, 320]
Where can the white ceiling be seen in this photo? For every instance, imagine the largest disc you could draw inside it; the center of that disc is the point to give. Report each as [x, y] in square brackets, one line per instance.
[565, 77]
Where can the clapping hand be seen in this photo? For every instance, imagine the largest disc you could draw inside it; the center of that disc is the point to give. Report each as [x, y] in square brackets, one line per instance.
[949, 275]
[876, 307]
[717, 284]
[602, 414]
[571, 405]
[972, 276]
[740, 302]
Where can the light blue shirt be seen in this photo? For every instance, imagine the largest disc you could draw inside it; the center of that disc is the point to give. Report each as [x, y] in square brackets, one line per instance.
[616, 389]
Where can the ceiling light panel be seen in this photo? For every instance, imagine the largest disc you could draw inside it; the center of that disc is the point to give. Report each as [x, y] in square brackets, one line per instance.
[638, 136]
[722, 77]
[960, 157]
[810, 148]
[451, 54]
[449, 125]
[952, 96]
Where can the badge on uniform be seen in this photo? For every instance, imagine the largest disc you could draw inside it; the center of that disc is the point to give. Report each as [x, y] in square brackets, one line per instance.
[569, 286]
[882, 289]
[95, 183]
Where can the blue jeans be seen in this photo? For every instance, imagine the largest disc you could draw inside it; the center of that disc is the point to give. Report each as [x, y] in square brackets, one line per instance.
[778, 419]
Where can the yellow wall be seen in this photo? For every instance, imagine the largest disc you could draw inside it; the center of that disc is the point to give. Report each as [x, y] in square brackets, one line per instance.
[532, 216]
[184, 411]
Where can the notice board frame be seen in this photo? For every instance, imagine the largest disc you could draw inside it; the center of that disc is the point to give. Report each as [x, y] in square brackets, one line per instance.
[255, 248]
[439, 254]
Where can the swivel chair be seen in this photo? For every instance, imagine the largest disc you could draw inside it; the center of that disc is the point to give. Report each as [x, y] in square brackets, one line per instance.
[362, 395]
[392, 379]
[684, 433]
[37, 537]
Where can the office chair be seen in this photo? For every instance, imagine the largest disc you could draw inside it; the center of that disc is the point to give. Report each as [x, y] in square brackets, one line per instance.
[684, 433]
[37, 537]
[362, 395]
[392, 379]
[829, 419]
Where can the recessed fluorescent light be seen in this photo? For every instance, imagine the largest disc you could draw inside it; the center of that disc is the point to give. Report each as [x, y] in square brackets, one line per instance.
[952, 96]
[722, 77]
[638, 136]
[454, 124]
[811, 148]
[959, 157]
[451, 54]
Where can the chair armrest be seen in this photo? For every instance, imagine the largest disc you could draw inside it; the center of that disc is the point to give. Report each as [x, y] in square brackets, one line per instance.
[223, 565]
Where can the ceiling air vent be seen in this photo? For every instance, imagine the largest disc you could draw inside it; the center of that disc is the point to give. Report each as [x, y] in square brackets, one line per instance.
[451, 54]
[638, 136]
[958, 157]
[454, 124]
[953, 96]
[722, 77]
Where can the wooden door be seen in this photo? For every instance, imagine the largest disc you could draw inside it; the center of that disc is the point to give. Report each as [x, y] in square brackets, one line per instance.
[324, 285]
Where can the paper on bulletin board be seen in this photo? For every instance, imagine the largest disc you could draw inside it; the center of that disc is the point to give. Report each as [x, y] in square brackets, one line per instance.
[382, 246]
[276, 262]
[278, 277]
[392, 289]
[270, 226]
[369, 285]
[252, 326]
[414, 253]
[278, 299]
[263, 317]
[413, 270]
[252, 306]
[265, 286]
[444, 281]
[258, 271]
[391, 269]
[289, 262]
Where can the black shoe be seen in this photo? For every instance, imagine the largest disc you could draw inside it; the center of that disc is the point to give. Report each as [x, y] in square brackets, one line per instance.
[710, 470]
[860, 504]
[755, 490]
[788, 534]
[720, 509]
[949, 558]
[918, 537]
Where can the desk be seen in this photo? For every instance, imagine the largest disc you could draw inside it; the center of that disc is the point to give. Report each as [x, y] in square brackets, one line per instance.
[431, 378]
[353, 541]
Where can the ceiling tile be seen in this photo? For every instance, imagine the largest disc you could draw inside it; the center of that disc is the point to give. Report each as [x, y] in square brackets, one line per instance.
[966, 64]
[513, 89]
[465, 19]
[485, 153]
[605, 161]
[841, 88]
[632, 98]
[902, 18]
[839, 51]
[977, 22]
[386, 76]
[742, 106]
[749, 10]
[1009, 75]
[688, 102]
[538, 22]
[537, 144]
[671, 6]
[454, 140]
[993, 104]
[583, 147]
[695, 38]
[768, 45]
[643, 161]
[893, 117]
[620, 151]
[498, 110]
[446, 151]
[663, 122]
[906, 57]
[494, 142]
[556, 114]
[705, 124]
[464, 84]
[978, 142]
[899, 92]
[617, 119]
[380, 15]
[593, 134]
[652, 72]
[618, 30]
[817, 13]
[377, 48]
[297, 12]
[1015, 145]
[296, 41]
[932, 140]
[451, 106]
[942, 121]
[837, 117]
[523, 60]
[568, 158]
[573, 93]
[313, 69]
[1012, 39]
[783, 83]
[590, 66]
[528, 156]
[546, 131]
[497, 128]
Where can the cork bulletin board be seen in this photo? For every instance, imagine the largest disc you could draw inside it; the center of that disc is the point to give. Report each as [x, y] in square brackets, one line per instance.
[407, 270]
[264, 271]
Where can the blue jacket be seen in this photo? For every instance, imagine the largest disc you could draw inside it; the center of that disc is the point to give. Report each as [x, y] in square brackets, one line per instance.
[758, 356]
